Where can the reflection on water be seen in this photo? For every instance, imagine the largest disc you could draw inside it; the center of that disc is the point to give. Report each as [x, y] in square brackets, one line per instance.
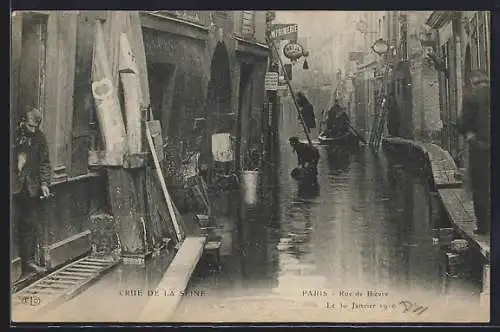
[366, 226]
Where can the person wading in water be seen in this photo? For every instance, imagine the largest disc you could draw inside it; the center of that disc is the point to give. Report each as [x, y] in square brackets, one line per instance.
[307, 157]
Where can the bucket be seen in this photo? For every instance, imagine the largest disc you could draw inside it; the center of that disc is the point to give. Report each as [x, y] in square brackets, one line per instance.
[249, 185]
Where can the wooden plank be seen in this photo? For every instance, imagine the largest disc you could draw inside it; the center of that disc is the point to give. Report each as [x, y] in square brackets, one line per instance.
[166, 195]
[135, 34]
[154, 127]
[15, 272]
[72, 273]
[107, 104]
[176, 278]
[82, 93]
[454, 206]
[481, 242]
[67, 249]
[132, 94]
[161, 222]
[125, 209]
[92, 264]
[82, 269]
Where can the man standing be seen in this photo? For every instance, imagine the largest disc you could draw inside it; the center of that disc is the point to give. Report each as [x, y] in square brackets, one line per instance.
[307, 111]
[475, 125]
[31, 178]
[392, 115]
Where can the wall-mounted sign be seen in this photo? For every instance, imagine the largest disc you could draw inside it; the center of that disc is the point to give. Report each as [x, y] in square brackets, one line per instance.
[293, 51]
[271, 81]
[284, 31]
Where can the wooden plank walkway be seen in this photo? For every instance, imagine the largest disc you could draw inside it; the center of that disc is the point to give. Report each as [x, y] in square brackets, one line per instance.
[444, 169]
[458, 206]
[161, 308]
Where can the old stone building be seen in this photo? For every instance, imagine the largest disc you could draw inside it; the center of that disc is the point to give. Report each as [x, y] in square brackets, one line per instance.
[462, 40]
[201, 72]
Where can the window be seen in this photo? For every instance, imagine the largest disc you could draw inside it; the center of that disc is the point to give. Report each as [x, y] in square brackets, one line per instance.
[248, 24]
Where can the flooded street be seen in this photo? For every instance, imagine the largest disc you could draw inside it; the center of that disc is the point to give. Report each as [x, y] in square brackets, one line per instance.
[366, 229]
[358, 248]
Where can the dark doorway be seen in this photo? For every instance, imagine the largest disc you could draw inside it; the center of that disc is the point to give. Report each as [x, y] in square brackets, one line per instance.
[219, 112]
[161, 84]
[219, 90]
[244, 107]
[404, 99]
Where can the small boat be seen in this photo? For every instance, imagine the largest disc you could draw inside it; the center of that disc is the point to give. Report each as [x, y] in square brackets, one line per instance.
[348, 140]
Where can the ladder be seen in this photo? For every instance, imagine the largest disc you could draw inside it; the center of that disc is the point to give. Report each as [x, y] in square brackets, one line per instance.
[378, 125]
[59, 286]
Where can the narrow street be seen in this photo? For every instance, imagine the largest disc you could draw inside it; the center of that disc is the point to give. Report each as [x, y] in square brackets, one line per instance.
[152, 179]
[367, 228]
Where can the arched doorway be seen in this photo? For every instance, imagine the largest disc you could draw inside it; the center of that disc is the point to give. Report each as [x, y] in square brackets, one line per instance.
[220, 118]
[219, 90]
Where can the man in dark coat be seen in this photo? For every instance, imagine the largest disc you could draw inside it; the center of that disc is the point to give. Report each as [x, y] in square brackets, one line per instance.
[337, 123]
[475, 125]
[392, 115]
[307, 155]
[30, 182]
[307, 111]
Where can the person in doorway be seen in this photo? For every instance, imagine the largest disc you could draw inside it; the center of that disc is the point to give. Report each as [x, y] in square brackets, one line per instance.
[306, 111]
[307, 156]
[31, 179]
[392, 115]
[475, 125]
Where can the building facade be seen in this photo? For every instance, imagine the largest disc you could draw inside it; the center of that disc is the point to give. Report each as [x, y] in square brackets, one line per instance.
[201, 73]
[206, 72]
[429, 57]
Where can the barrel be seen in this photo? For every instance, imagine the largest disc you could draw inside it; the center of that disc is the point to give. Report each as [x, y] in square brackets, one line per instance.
[249, 185]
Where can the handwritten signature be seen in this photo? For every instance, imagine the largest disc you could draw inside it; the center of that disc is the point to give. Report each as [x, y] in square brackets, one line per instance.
[412, 307]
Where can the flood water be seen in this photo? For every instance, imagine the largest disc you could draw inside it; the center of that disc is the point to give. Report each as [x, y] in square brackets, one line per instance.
[364, 238]
[358, 248]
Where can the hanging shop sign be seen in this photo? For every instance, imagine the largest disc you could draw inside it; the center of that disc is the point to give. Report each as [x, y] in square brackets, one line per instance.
[293, 51]
[284, 31]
